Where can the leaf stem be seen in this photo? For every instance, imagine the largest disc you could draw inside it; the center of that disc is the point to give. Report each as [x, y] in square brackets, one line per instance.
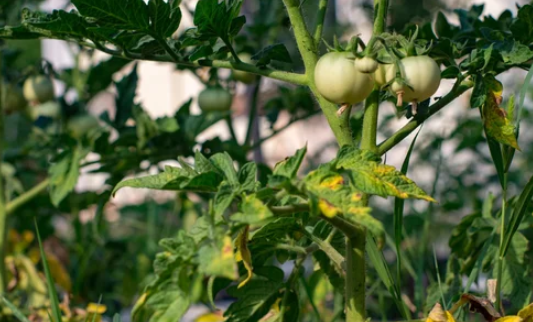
[231, 128]
[326, 247]
[293, 78]
[26, 196]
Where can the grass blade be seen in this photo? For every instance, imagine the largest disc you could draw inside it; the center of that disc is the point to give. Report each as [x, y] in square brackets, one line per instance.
[52, 293]
[380, 264]
[16, 312]
[517, 216]
[116, 318]
[438, 280]
[398, 215]
[497, 157]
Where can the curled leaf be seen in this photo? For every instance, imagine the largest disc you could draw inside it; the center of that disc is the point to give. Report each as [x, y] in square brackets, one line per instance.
[243, 254]
[438, 314]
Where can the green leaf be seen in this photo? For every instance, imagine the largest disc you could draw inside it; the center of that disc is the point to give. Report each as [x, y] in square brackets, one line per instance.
[381, 266]
[479, 93]
[289, 167]
[371, 177]
[519, 54]
[16, 312]
[101, 75]
[277, 52]
[248, 177]
[145, 127]
[496, 123]
[522, 27]
[126, 91]
[442, 27]
[52, 293]
[253, 212]
[497, 158]
[223, 199]
[215, 18]
[218, 259]
[125, 14]
[224, 163]
[64, 173]
[165, 18]
[169, 303]
[254, 300]
[523, 91]
[518, 214]
[398, 212]
[175, 179]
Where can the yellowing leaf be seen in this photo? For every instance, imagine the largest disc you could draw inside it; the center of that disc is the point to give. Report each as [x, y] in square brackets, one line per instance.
[59, 273]
[96, 308]
[243, 254]
[227, 248]
[510, 318]
[527, 313]
[327, 208]
[437, 314]
[496, 123]
[210, 317]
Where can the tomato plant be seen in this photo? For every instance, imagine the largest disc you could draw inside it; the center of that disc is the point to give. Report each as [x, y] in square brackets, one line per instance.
[236, 219]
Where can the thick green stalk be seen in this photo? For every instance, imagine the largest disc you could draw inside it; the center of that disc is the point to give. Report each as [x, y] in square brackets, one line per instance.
[253, 112]
[355, 243]
[500, 258]
[27, 196]
[308, 49]
[3, 213]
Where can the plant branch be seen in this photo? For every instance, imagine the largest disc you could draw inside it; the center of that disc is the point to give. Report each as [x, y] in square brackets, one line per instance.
[404, 132]
[326, 247]
[370, 121]
[320, 20]
[26, 196]
[293, 78]
[281, 129]
[253, 112]
[306, 45]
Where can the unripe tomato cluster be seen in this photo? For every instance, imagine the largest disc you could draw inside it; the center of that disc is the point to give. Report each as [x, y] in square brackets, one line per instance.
[345, 80]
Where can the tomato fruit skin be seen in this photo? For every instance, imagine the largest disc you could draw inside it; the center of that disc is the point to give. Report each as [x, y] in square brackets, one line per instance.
[339, 81]
[244, 77]
[80, 125]
[366, 65]
[213, 99]
[385, 73]
[421, 73]
[38, 89]
[14, 99]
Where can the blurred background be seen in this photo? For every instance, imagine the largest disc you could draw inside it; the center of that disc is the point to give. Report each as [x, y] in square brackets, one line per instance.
[106, 249]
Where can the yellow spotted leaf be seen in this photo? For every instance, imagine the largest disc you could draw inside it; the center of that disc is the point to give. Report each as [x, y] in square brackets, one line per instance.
[510, 318]
[210, 317]
[437, 314]
[96, 308]
[527, 313]
[243, 254]
[497, 124]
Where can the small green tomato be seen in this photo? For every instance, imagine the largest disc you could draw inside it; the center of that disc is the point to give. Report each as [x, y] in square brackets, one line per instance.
[366, 65]
[384, 74]
[14, 99]
[215, 99]
[423, 76]
[38, 89]
[244, 77]
[339, 81]
[80, 125]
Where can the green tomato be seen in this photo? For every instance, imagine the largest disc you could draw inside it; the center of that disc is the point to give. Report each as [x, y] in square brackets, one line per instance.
[214, 99]
[339, 82]
[384, 74]
[421, 73]
[14, 99]
[48, 109]
[39, 89]
[80, 125]
[366, 65]
[244, 77]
